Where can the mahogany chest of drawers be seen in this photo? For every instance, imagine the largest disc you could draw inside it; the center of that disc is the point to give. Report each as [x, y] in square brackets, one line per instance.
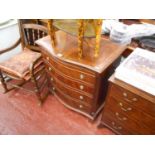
[80, 85]
[128, 110]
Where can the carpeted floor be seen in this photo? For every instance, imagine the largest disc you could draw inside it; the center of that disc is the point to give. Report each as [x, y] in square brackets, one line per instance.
[19, 114]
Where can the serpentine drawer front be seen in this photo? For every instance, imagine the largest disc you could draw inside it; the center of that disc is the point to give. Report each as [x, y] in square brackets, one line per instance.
[73, 87]
[79, 84]
[128, 110]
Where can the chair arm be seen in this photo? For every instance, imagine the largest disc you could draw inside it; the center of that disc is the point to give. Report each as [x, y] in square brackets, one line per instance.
[11, 47]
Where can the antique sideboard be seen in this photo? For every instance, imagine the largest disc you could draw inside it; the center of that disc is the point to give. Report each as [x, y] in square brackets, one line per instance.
[128, 110]
[79, 84]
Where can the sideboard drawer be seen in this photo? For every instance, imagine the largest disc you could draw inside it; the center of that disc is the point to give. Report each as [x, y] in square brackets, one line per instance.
[134, 100]
[130, 112]
[79, 86]
[87, 100]
[74, 84]
[122, 122]
[71, 71]
[74, 104]
[115, 125]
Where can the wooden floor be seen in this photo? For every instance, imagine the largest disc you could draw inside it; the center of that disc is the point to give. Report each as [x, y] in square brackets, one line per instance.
[19, 114]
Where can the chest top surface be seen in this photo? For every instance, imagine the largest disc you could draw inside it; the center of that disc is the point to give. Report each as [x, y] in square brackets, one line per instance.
[67, 50]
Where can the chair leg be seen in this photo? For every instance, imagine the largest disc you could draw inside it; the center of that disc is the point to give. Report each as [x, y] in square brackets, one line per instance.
[34, 79]
[36, 89]
[2, 80]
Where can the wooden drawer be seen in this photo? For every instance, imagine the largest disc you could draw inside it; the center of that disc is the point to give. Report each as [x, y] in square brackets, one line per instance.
[131, 112]
[52, 59]
[80, 97]
[126, 121]
[73, 94]
[128, 126]
[76, 94]
[72, 71]
[126, 96]
[112, 123]
[79, 86]
[72, 102]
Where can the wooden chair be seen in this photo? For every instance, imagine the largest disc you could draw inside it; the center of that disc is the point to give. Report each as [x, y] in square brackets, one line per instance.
[27, 65]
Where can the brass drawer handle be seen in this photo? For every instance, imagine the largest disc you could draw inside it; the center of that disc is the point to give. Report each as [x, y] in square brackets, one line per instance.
[129, 100]
[81, 87]
[125, 94]
[81, 97]
[135, 99]
[81, 106]
[115, 127]
[118, 116]
[124, 109]
[49, 68]
[81, 76]
[52, 79]
[47, 58]
[53, 88]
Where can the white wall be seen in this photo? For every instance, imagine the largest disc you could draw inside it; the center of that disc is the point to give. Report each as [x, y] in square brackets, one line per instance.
[8, 36]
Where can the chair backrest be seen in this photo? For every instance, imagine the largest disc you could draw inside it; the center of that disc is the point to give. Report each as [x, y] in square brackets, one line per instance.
[30, 33]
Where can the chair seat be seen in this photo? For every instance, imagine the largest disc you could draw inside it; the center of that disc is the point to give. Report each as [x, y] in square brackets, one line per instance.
[19, 64]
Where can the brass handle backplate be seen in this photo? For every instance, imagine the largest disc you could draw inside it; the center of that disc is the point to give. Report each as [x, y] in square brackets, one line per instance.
[120, 118]
[124, 109]
[129, 100]
[116, 127]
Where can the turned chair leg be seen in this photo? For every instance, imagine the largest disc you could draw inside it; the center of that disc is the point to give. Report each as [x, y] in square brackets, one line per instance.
[2, 80]
[35, 81]
[36, 89]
